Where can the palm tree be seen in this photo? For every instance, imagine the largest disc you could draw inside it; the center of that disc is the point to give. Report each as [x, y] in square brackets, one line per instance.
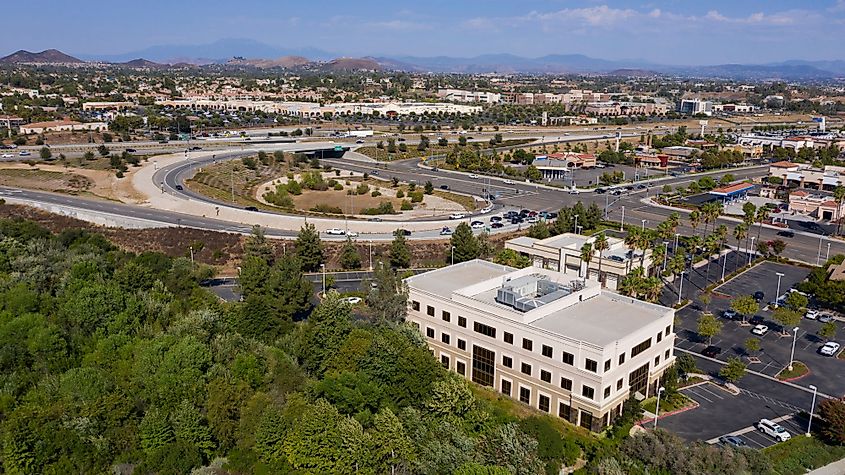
[587, 256]
[839, 196]
[740, 233]
[749, 212]
[644, 243]
[674, 221]
[650, 288]
[762, 215]
[631, 284]
[694, 219]
[601, 245]
[658, 253]
[632, 239]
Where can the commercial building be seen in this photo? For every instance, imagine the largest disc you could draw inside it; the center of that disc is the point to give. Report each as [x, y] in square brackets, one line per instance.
[818, 205]
[562, 253]
[731, 193]
[91, 106]
[460, 95]
[10, 121]
[802, 175]
[556, 166]
[61, 126]
[795, 143]
[695, 106]
[561, 345]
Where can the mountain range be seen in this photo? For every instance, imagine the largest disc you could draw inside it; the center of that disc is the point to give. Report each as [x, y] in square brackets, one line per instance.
[245, 53]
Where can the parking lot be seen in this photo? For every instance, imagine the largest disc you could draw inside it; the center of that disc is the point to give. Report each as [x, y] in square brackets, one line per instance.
[827, 373]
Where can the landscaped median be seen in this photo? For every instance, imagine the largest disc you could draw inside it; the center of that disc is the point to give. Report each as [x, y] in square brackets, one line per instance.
[798, 371]
[671, 404]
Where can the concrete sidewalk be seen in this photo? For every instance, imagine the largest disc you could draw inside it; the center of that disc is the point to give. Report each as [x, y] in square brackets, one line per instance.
[835, 468]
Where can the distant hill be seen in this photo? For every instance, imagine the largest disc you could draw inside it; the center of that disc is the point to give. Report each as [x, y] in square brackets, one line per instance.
[142, 63]
[283, 62]
[50, 56]
[352, 64]
[216, 52]
[632, 73]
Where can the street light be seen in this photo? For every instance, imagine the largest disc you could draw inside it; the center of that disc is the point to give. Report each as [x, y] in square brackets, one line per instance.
[675, 249]
[665, 254]
[812, 408]
[644, 221]
[324, 279]
[749, 251]
[657, 409]
[453, 255]
[681, 290]
[819, 256]
[192, 254]
[576, 224]
[792, 354]
[622, 223]
[827, 256]
[777, 294]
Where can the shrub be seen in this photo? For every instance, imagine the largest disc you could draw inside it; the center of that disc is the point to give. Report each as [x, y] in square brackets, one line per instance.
[406, 205]
[385, 207]
[375, 193]
[400, 194]
[362, 189]
[338, 186]
[324, 208]
[416, 196]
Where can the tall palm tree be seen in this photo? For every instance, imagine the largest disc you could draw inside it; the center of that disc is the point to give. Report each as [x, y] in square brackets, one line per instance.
[839, 196]
[694, 219]
[762, 215]
[749, 213]
[644, 242]
[632, 239]
[586, 257]
[658, 254]
[601, 245]
[674, 221]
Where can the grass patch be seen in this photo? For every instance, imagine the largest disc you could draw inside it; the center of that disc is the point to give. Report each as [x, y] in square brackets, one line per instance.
[35, 178]
[468, 202]
[798, 369]
[799, 454]
[671, 403]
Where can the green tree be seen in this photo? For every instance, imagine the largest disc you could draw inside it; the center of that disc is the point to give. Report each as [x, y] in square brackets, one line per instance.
[509, 257]
[391, 447]
[388, 298]
[708, 327]
[745, 305]
[827, 330]
[349, 256]
[399, 254]
[507, 446]
[429, 187]
[787, 317]
[189, 425]
[752, 345]
[155, 430]
[309, 249]
[733, 371]
[796, 301]
[464, 244]
[46, 153]
[832, 412]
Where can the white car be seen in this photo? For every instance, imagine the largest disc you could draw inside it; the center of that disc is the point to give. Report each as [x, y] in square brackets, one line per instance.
[352, 233]
[477, 225]
[486, 209]
[473, 175]
[830, 348]
[8, 155]
[532, 219]
[335, 232]
[760, 330]
[574, 191]
[508, 182]
[457, 216]
[24, 154]
[352, 300]
[447, 231]
[811, 314]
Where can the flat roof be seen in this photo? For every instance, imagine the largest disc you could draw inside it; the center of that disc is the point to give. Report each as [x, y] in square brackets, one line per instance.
[602, 319]
[731, 189]
[442, 282]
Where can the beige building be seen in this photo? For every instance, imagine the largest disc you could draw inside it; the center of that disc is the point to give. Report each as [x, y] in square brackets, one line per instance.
[90, 106]
[562, 253]
[803, 175]
[561, 345]
[817, 205]
[61, 126]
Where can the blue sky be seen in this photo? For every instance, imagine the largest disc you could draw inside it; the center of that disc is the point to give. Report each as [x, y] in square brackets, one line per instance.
[668, 31]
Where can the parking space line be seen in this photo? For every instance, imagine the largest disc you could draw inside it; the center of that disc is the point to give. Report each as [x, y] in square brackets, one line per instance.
[712, 393]
[700, 395]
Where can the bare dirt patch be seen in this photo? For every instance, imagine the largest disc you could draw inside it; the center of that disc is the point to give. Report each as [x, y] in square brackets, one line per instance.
[44, 180]
[63, 179]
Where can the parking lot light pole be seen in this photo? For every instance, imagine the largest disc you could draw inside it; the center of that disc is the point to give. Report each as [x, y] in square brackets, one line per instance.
[827, 256]
[453, 255]
[324, 279]
[777, 294]
[749, 251]
[819, 256]
[644, 221]
[812, 408]
[657, 408]
[792, 354]
[576, 224]
[622, 223]
[724, 264]
[675, 249]
[681, 290]
[665, 254]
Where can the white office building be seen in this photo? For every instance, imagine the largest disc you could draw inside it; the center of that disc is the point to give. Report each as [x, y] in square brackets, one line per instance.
[561, 345]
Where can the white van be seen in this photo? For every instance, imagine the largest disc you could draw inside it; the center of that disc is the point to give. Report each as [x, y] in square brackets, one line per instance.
[773, 430]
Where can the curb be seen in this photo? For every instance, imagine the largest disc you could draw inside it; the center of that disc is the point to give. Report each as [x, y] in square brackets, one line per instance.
[795, 378]
[694, 405]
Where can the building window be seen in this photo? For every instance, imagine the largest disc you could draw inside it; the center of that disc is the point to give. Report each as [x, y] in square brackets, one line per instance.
[607, 392]
[483, 365]
[543, 403]
[656, 360]
[638, 379]
[444, 360]
[507, 361]
[666, 354]
[429, 310]
[591, 365]
[461, 368]
[640, 348]
[444, 337]
[621, 359]
[462, 345]
[619, 384]
[587, 420]
[566, 383]
[506, 387]
[526, 369]
[668, 330]
[416, 325]
[659, 337]
[484, 329]
[563, 411]
[607, 365]
[446, 316]
[415, 305]
[568, 358]
[462, 322]
[545, 376]
[527, 344]
[509, 338]
[429, 332]
[525, 395]
[547, 351]
[588, 392]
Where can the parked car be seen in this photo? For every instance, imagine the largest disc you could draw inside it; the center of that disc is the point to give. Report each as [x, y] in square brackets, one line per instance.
[508, 182]
[251, 208]
[760, 330]
[130, 150]
[404, 232]
[486, 209]
[711, 351]
[335, 232]
[473, 175]
[192, 148]
[756, 320]
[811, 314]
[730, 315]
[446, 231]
[24, 154]
[496, 219]
[457, 216]
[732, 441]
[759, 296]
[825, 317]
[352, 300]
[7, 155]
[497, 225]
[444, 187]
[352, 233]
[830, 348]
[359, 141]
[477, 225]
[787, 234]
[773, 430]
[533, 219]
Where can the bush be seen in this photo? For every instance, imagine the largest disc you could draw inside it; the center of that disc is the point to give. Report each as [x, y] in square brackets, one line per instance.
[338, 187]
[416, 196]
[293, 187]
[324, 208]
[385, 207]
[375, 194]
[406, 206]
[362, 189]
[400, 194]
